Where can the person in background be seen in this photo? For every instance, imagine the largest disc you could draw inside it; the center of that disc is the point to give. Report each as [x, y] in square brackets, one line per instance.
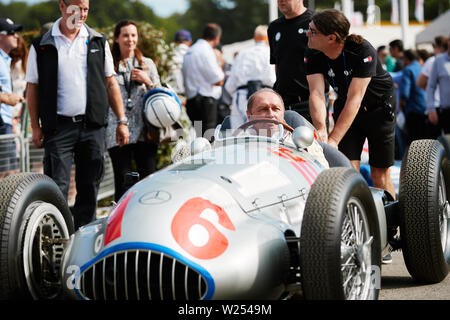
[382, 55]
[422, 56]
[412, 99]
[439, 46]
[19, 57]
[440, 79]
[288, 42]
[182, 42]
[224, 102]
[8, 41]
[251, 71]
[201, 73]
[136, 75]
[396, 51]
[71, 85]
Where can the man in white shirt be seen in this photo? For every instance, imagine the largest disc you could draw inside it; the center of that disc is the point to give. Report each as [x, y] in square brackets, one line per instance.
[252, 64]
[70, 76]
[440, 46]
[201, 73]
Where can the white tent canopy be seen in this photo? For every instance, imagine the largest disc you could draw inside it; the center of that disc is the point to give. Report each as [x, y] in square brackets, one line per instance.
[438, 27]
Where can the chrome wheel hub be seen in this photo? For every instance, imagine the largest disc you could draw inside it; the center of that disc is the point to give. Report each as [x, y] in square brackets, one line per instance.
[43, 245]
[356, 252]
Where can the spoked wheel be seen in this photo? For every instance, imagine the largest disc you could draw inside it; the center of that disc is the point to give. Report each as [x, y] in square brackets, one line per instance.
[35, 222]
[340, 252]
[43, 246]
[356, 252]
[444, 214]
[424, 211]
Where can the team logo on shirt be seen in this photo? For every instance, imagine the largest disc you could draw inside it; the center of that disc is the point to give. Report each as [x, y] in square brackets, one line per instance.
[278, 36]
[368, 59]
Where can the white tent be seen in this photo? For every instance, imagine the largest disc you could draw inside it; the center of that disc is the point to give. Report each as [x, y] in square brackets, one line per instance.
[438, 27]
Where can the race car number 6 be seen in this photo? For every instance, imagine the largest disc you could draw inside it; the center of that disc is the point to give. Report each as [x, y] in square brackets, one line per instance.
[197, 235]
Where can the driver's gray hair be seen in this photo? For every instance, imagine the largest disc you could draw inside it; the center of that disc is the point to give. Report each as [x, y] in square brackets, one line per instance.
[251, 100]
[66, 2]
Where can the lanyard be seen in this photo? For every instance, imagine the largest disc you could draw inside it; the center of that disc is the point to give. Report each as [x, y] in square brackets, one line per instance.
[332, 75]
[128, 82]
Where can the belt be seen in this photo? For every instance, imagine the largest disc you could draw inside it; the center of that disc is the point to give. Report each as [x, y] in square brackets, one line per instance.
[74, 119]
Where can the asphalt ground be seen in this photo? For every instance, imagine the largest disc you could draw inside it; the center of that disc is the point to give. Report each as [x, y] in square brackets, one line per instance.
[397, 284]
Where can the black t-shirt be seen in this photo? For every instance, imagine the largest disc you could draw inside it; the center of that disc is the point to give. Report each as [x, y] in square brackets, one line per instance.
[355, 61]
[288, 42]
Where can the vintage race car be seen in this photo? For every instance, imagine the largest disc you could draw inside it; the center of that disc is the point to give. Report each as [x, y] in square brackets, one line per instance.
[249, 217]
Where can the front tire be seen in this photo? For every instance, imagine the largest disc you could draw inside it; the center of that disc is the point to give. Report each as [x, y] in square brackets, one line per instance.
[340, 252]
[35, 220]
[425, 211]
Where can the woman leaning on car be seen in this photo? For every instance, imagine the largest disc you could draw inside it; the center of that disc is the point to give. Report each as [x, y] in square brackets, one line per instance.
[136, 75]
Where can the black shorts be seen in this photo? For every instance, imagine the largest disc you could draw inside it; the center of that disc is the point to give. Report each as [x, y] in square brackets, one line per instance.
[378, 126]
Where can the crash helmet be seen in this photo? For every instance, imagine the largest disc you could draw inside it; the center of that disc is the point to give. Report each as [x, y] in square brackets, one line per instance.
[162, 108]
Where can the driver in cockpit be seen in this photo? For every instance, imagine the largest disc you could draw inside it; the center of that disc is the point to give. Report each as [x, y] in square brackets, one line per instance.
[268, 104]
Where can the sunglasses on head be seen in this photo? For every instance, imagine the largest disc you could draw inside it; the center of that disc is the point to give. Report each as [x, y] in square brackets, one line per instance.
[8, 33]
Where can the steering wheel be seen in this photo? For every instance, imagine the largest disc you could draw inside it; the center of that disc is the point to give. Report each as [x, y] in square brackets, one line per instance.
[264, 120]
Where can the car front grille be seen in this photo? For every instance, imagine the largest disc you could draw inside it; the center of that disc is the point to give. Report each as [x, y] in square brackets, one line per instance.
[141, 275]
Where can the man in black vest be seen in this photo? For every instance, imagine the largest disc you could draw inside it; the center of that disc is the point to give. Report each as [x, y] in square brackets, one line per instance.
[71, 83]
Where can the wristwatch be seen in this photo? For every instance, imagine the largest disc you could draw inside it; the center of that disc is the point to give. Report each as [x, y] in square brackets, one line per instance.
[123, 120]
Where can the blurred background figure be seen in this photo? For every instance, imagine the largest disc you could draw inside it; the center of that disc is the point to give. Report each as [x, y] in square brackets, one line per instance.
[9, 40]
[387, 61]
[19, 57]
[250, 72]
[182, 42]
[202, 73]
[412, 100]
[136, 75]
[439, 46]
[396, 51]
[439, 81]
[224, 102]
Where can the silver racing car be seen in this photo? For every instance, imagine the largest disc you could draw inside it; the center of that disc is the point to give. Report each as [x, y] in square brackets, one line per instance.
[247, 217]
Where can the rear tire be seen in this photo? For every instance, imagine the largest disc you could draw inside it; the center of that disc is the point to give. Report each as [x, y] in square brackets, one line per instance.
[424, 211]
[34, 217]
[340, 251]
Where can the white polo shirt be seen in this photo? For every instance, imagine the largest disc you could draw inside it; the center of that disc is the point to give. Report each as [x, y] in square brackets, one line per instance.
[72, 70]
[201, 71]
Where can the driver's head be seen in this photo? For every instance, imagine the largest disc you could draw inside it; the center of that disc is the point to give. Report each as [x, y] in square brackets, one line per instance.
[266, 104]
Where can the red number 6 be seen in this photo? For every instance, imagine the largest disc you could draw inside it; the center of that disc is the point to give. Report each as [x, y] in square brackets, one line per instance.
[188, 216]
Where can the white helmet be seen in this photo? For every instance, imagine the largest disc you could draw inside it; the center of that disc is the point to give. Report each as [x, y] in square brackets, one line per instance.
[162, 108]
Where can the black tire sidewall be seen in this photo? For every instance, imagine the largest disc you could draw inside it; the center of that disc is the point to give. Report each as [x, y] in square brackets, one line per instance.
[32, 189]
[323, 234]
[419, 223]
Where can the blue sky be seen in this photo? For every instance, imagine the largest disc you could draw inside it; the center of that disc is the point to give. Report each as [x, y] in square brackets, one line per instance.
[163, 8]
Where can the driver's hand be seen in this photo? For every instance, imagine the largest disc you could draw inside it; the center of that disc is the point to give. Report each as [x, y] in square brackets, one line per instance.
[323, 135]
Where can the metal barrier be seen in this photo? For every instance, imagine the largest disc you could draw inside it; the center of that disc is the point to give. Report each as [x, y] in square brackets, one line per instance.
[18, 154]
[12, 154]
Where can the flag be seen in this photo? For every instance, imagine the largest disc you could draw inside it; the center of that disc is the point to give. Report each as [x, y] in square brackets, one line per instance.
[418, 12]
[371, 12]
[394, 12]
